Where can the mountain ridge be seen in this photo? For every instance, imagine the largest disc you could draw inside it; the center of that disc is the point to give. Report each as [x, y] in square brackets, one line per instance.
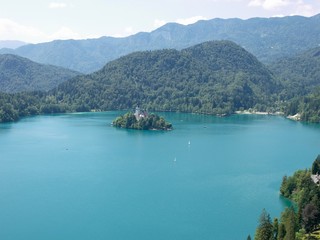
[11, 44]
[19, 74]
[216, 77]
[267, 38]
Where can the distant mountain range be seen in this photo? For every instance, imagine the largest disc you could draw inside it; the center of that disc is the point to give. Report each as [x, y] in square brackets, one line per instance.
[268, 39]
[19, 74]
[11, 44]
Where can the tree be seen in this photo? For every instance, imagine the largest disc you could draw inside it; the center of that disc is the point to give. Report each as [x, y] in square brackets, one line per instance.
[8, 113]
[288, 219]
[281, 231]
[275, 229]
[265, 228]
[316, 166]
[249, 237]
[301, 234]
[310, 217]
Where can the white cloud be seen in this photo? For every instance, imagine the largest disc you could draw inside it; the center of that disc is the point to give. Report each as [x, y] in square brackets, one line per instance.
[55, 5]
[129, 30]
[10, 30]
[184, 21]
[305, 9]
[255, 3]
[159, 23]
[65, 33]
[125, 33]
[269, 4]
[292, 7]
[191, 20]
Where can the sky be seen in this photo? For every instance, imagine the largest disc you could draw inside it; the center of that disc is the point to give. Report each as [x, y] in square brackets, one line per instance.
[36, 21]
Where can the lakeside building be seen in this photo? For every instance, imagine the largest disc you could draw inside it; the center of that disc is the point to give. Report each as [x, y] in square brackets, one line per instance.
[140, 113]
[316, 178]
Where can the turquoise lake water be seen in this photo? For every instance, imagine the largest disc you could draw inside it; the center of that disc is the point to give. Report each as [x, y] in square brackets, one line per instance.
[74, 176]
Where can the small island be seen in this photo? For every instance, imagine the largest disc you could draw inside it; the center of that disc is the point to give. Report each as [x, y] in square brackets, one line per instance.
[141, 120]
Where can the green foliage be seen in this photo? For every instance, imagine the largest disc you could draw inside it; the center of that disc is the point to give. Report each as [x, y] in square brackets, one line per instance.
[281, 231]
[15, 106]
[316, 166]
[306, 194]
[8, 113]
[299, 74]
[289, 221]
[264, 230]
[150, 122]
[19, 74]
[310, 217]
[294, 187]
[307, 106]
[300, 235]
[275, 229]
[210, 78]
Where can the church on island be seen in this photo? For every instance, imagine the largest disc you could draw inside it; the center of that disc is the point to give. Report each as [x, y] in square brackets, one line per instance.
[140, 113]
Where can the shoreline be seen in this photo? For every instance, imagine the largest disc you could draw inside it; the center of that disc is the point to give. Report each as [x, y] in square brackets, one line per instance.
[249, 112]
[296, 117]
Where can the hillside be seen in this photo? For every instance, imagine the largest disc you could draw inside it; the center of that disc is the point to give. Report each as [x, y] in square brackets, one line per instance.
[215, 77]
[266, 38]
[19, 74]
[300, 74]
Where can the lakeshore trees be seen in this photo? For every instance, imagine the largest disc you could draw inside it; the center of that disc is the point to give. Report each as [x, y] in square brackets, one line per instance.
[305, 219]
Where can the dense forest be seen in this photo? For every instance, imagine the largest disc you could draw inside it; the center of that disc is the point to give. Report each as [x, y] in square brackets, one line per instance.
[296, 223]
[299, 74]
[19, 74]
[217, 77]
[307, 106]
[210, 78]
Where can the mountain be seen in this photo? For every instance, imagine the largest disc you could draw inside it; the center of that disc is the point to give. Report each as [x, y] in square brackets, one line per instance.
[20, 74]
[300, 74]
[267, 38]
[217, 77]
[11, 44]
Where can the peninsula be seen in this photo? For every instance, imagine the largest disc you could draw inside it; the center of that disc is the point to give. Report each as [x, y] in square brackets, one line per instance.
[141, 120]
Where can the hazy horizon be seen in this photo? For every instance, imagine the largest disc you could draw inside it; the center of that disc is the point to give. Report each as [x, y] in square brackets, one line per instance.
[38, 21]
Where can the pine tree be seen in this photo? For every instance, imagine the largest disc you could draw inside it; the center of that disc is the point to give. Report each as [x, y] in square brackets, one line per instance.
[265, 229]
[288, 218]
[281, 232]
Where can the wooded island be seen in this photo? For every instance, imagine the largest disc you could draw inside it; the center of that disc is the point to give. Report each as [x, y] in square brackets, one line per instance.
[141, 120]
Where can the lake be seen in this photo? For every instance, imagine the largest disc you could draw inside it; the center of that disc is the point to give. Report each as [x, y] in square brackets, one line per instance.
[74, 176]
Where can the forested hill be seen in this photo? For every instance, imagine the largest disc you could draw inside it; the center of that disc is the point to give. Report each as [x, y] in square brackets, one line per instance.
[216, 77]
[19, 74]
[300, 74]
[266, 38]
